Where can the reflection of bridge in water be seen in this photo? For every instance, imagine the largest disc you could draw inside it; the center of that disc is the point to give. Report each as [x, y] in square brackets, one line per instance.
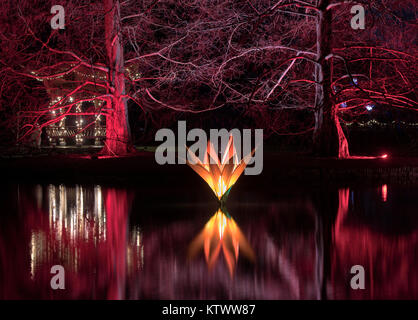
[293, 252]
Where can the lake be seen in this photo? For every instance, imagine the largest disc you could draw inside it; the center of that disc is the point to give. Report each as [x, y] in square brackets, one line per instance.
[144, 242]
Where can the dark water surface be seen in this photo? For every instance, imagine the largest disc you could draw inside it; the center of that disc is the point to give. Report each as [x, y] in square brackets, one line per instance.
[145, 243]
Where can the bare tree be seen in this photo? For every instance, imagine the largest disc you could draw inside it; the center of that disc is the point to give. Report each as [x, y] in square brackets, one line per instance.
[317, 62]
[272, 59]
[290, 66]
[86, 62]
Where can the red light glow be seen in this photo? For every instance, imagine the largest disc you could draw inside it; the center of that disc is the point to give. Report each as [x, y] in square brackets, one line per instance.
[384, 192]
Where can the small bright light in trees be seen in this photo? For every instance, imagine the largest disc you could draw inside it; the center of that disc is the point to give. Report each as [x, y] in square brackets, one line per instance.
[344, 105]
[355, 81]
[370, 107]
[384, 156]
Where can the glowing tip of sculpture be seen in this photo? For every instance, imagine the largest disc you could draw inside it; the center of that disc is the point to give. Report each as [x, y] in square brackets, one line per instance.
[219, 174]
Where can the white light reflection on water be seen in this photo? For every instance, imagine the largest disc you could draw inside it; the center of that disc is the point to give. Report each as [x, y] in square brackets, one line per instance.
[114, 247]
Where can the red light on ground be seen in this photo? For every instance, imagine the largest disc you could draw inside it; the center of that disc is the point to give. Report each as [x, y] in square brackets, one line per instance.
[384, 156]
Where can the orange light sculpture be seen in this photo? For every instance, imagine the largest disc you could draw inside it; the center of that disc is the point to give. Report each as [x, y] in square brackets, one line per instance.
[220, 175]
[221, 232]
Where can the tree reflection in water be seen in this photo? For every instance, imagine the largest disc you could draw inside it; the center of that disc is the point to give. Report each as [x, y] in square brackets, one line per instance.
[83, 229]
[289, 250]
[389, 260]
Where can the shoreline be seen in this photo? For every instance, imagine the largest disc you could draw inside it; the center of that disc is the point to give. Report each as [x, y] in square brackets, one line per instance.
[277, 169]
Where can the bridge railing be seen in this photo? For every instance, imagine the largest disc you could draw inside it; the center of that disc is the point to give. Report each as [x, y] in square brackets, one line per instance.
[69, 132]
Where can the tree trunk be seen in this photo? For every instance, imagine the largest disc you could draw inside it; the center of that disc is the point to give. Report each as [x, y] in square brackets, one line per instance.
[118, 137]
[329, 138]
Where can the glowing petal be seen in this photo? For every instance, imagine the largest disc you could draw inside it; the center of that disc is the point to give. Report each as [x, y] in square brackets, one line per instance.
[219, 175]
[221, 232]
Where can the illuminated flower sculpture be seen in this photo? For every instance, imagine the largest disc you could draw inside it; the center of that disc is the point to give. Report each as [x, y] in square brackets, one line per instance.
[221, 232]
[220, 175]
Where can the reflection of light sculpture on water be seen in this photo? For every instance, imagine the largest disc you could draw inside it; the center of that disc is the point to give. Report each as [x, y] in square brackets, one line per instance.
[221, 232]
[220, 175]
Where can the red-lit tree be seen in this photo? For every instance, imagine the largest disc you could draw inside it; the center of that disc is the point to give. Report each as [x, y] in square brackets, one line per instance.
[289, 66]
[272, 57]
[96, 58]
[367, 69]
